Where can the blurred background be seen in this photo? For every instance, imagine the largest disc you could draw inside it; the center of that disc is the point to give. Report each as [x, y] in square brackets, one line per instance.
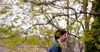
[29, 25]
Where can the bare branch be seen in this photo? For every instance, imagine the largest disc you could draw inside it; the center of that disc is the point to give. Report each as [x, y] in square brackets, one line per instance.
[89, 13]
[44, 3]
[75, 36]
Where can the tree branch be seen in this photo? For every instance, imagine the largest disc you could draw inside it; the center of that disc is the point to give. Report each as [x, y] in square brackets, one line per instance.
[89, 13]
[44, 3]
[75, 36]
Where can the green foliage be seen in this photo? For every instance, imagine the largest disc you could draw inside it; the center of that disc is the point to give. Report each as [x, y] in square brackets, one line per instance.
[21, 7]
[13, 42]
[46, 32]
[45, 42]
[2, 29]
[7, 30]
[57, 34]
[85, 3]
[6, 7]
[98, 46]
[58, 44]
[11, 36]
[33, 13]
[32, 40]
[35, 28]
[24, 0]
[15, 19]
[11, 14]
[3, 11]
[94, 45]
[32, 6]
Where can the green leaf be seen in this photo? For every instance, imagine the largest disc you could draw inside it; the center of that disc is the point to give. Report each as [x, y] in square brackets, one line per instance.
[3, 11]
[33, 13]
[15, 20]
[32, 6]
[21, 7]
[98, 46]
[58, 44]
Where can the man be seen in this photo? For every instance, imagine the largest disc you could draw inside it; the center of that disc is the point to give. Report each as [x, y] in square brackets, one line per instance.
[60, 36]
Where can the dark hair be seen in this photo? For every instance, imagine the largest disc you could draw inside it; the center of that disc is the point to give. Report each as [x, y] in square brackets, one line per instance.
[59, 32]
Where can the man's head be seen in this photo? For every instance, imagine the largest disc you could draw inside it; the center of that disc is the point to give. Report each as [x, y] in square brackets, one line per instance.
[61, 34]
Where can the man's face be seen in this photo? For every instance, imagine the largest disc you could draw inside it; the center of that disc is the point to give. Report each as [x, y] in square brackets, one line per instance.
[64, 37]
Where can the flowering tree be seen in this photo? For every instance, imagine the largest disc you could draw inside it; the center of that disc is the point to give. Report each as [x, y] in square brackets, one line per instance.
[35, 21]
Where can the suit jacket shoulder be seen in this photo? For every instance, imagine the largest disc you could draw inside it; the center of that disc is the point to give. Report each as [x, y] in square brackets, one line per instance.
[55, 47]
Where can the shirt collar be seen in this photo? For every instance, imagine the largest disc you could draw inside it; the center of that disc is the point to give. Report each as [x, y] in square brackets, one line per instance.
[59, 41]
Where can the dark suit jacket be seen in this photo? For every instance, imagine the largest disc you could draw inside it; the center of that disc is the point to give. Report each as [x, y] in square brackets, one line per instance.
[55, 47]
